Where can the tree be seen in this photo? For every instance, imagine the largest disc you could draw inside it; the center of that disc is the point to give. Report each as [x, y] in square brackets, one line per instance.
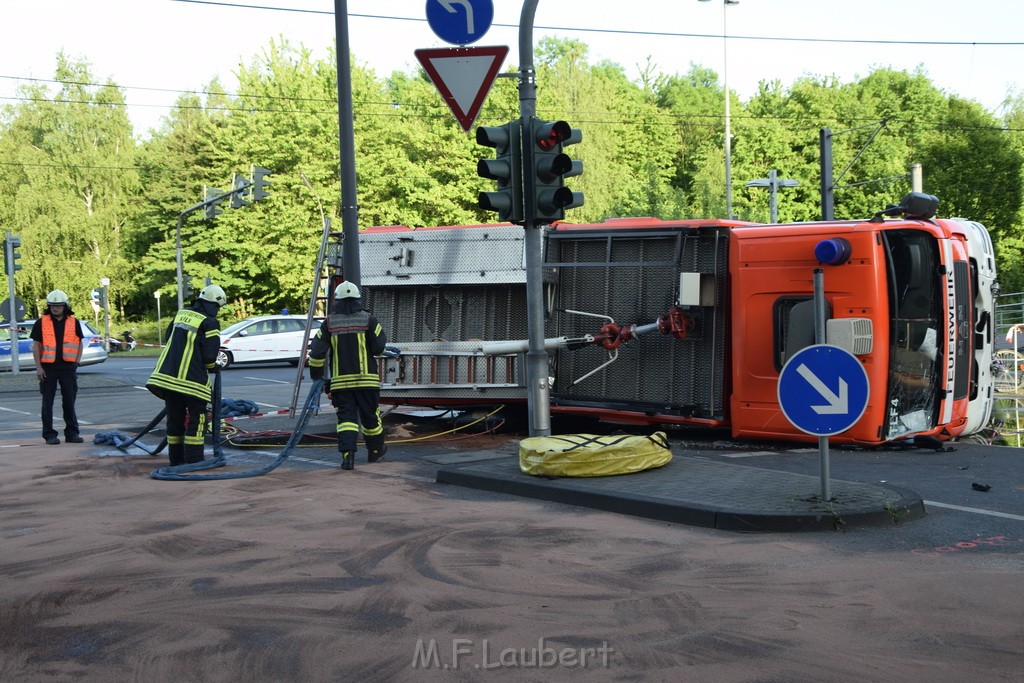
[69, 183]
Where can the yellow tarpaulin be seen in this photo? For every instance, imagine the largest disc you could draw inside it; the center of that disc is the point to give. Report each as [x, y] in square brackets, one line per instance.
[588, 455]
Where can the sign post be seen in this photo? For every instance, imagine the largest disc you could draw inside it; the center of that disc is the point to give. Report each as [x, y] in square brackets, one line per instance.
[823, 390]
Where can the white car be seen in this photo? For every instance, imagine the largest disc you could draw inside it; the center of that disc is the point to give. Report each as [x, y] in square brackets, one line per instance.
[265, 339]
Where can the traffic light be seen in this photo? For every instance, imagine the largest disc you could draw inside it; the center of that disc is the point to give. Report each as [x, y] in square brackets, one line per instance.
[505, 167]
[186, 286]
[209, 193]
[260, 182]
[11, 243]
[551, 166]
[242, 187]
[103, 297]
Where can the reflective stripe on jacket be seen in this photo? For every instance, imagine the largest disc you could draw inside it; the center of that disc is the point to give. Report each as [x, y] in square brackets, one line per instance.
[69, 347]
[188, 356]
[353, 340]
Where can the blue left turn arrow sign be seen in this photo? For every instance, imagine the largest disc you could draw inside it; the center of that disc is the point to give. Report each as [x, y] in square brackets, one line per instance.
[460, 22]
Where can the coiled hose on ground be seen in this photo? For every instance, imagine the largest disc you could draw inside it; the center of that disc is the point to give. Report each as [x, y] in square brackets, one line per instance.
[184, 472]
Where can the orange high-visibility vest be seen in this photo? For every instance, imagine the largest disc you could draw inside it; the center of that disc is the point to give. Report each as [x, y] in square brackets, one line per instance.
[72, 342]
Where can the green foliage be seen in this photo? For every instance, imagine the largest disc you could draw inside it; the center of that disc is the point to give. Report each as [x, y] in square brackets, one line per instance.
[90, 201]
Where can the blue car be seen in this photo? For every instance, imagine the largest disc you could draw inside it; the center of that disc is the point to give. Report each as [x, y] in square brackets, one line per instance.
[25, 360]
[93, 341]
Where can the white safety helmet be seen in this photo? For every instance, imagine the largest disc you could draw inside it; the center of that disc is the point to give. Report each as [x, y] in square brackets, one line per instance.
[215, 294]
[346, 290]
[57, 297]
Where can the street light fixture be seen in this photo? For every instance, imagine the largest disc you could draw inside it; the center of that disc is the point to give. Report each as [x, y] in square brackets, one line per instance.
[728, 123]
[773, 182]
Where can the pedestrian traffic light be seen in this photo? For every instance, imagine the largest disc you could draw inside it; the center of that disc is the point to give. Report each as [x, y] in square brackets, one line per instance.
[241, 188]
[260, 182]
[186, 286]
[103, 297]
[551, 166]
[11, 255]
[505, 168]
[211, 209]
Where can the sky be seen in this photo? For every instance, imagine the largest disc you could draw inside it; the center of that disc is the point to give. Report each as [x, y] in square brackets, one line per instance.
[156, 49]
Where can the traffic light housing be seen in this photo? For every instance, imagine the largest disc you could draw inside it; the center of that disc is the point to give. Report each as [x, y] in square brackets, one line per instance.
[209, 193]
[186, 287]
[505, 168]
[241, 189]
[551, 166]
[260, 182]
[11, 255]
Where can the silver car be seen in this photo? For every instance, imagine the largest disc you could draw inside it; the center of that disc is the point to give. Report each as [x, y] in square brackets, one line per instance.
[92, 340]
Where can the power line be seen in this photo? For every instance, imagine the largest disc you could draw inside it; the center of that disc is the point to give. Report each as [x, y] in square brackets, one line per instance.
[666, 34]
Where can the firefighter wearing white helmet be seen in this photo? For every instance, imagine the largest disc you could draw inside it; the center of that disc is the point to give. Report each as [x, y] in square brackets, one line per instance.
[348, 342]
[182, 374]
[57, 351]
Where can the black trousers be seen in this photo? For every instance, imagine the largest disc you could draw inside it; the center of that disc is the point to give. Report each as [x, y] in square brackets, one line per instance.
[186, 427]
[64, 375]
[358, 407]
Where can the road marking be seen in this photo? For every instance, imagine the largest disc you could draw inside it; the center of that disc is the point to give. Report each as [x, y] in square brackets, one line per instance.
[747, 455]
[977, 511]
[264, 379]
[269, 405]
[12, 410]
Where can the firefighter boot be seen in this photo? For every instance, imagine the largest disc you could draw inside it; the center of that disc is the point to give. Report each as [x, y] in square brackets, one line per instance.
[176, 453]
[376, 449]
[348, 460]
[193, 453]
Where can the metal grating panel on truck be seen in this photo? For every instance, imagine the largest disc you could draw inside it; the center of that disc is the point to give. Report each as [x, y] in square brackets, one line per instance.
[633, 277]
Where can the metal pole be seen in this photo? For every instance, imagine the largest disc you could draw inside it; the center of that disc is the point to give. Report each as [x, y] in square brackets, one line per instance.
[159, 324]
[916, 178]
[827, 188]
[12, 316]
[347, 151]
[105, 283]
[538, 388]
[177, 260]
[819, 338]
[728, 123]
[773, 197]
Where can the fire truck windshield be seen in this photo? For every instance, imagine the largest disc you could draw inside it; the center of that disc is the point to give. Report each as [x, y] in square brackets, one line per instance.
[915, 342]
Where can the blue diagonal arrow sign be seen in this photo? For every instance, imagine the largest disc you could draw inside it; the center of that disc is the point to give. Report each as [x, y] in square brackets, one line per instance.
[823, 390]
[460, 22]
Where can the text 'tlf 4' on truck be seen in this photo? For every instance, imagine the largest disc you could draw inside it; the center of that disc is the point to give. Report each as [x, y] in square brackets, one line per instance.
[690, 322]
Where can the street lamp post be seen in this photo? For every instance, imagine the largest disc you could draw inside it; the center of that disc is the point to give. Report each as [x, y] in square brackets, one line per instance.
[728, 120]
[159, 326]
[773, 182]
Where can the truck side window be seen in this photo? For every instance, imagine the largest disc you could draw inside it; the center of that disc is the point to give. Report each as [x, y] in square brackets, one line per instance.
[794, 326]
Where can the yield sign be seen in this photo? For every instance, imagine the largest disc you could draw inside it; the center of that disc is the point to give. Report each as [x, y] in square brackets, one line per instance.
[463, 76]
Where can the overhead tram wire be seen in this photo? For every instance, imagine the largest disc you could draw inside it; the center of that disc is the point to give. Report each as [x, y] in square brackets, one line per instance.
[619, 31]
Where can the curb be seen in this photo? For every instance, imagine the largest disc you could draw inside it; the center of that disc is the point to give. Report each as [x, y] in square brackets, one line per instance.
[705, 494]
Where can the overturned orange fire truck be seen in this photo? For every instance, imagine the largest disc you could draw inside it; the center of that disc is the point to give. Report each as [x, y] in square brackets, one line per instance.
[689, 322]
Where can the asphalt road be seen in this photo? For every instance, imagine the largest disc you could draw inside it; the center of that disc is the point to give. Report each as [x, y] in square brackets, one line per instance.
[960, 519]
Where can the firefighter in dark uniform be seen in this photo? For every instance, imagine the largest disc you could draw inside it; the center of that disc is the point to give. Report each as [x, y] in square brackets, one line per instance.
[182, 375]
[351, 338]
